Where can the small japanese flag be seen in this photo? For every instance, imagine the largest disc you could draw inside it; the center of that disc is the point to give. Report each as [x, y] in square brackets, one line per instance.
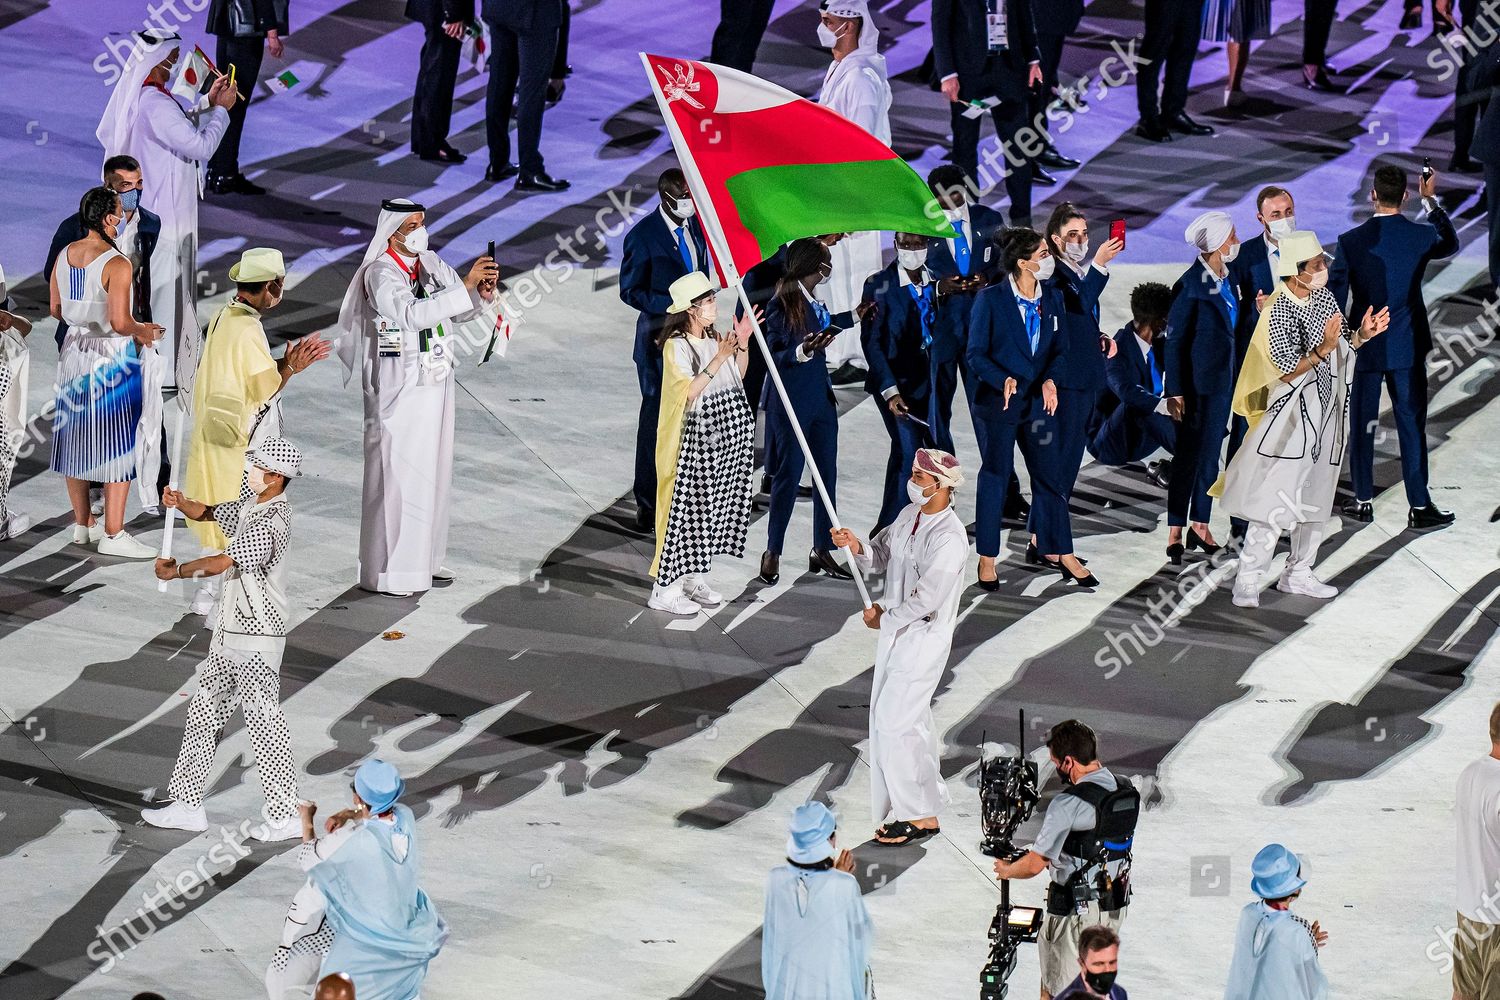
[195, 71]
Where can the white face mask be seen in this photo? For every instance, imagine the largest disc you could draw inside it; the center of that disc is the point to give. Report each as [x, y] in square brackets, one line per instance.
[910, 260]
[827, 37]
[255, 478]
[953, 214]
[1044, 268]
[415, 241]
[1280, 229]
[917, 494]
[1319, 279]
[683, 208]
[1076, 251]
[1231, 253]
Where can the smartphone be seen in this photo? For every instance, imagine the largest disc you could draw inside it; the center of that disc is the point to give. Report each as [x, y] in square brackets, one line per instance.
[490, 252]
[1426, 167]
[1117, 231]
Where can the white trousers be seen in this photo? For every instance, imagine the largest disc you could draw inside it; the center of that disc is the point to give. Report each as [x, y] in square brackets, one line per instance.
[1259, 549]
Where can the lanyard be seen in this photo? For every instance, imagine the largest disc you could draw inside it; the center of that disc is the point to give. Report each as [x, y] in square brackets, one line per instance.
[410, 273]
[418, 291]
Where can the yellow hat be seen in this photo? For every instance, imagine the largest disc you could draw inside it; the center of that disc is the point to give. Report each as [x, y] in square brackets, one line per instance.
[693, 285]
[258, 264]
[1294, 249]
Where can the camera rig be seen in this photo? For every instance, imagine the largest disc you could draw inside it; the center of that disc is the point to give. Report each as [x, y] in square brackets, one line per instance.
[1007, 797]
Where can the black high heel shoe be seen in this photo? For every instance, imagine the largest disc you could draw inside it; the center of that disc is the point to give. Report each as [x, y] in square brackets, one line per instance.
[1035, 558]
[1195, 541]
[1087, 580]
[823, 561]
[989, 586]
[1174, 553]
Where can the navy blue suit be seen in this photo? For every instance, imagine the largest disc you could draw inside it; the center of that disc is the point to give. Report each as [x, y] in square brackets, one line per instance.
[948, 348]
[1129, 428]
[437, 70]
[891, 335]
[147, 231]
[1252, 275]
[1200, 361]
[1079, 377]
[999, 349]
[652, 262]
[811, 392]
[1382, 263]
[759, 284]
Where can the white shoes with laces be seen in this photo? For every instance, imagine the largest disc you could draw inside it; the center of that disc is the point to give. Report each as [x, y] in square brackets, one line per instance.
[88, 534]
[673, 601]
[14, 525]
[124, 545]
[1301, 581]
[696, 589]
[269, 833]
[176, 816]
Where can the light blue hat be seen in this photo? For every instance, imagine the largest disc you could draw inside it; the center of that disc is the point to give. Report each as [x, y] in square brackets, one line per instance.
[378, 784]
[808, 834]
[1275, 873]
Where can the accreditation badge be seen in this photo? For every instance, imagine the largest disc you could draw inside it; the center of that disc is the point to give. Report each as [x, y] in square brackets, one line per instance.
[389, 339]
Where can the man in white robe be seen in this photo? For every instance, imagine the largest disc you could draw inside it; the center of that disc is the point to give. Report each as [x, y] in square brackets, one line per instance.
[406, 316]
[923, 553]
[857, 88]
[144, 120]
[14, 366]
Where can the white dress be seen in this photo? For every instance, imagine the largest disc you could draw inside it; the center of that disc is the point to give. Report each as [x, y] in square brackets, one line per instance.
[1287, 471]
[924, 558]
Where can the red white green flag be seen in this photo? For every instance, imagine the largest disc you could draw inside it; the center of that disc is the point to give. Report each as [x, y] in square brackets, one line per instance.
[766, 166]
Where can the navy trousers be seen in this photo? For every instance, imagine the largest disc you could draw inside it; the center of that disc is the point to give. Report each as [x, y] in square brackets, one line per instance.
[1408, 389]
[906, 438]
[1111, 443]
[649, 376]
[1200, 436]
[997, 471]
[822, 430]
[1059, 456]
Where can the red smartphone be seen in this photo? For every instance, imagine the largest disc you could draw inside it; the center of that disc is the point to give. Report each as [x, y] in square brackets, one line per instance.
[1117, 231]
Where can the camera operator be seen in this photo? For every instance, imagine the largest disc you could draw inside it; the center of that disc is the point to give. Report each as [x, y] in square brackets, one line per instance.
[1087, 857]
[1098, 965]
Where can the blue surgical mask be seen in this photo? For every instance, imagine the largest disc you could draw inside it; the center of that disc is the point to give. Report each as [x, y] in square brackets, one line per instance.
[130, 200]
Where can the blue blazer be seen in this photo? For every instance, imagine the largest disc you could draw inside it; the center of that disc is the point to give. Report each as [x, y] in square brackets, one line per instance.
[807, 383]
[147, 232]
[1199, 340]
[1251, 273]
[651, 263]
[1128, 373]
[1081, 363]
[984, 258]
[1381, 263]
[999, 349]
[891, 334]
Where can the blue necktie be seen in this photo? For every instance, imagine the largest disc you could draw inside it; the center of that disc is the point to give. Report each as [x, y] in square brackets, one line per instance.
[961, 252]
[821, 312]
[1230, 301]
[1155, 371]
[922, 296]
[684, 249]
[1033, 312]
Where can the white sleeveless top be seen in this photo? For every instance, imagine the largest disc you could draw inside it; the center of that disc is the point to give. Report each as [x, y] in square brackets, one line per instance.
[85, 304]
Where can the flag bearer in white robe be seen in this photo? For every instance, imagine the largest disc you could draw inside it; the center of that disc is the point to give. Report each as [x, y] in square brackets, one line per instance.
[403, 321]
[923, 553]
[145, 119]
[13, 371]
[857, 88]
[244, 657]
[815, 942]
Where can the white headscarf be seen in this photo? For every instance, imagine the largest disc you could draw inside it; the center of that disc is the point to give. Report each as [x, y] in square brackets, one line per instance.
[355, 315]
[151, 47]
[1209, 231]
[869, 35]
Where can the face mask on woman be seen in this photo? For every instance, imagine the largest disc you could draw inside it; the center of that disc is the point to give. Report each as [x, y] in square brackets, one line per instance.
[707, 311]
[1075, 252]
[415, 241]
[1317, 280]
[1044, 268]
[918, 494]
[1230, 253]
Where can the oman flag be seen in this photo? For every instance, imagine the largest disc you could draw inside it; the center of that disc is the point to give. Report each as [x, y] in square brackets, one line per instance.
[766, 166]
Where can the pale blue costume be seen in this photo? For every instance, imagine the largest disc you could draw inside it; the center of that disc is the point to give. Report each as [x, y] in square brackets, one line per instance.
[386, 929]
[816, 941]
[1274, 954]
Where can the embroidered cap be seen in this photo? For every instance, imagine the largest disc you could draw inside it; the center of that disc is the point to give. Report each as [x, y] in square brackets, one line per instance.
[940, 465]
[276, 455]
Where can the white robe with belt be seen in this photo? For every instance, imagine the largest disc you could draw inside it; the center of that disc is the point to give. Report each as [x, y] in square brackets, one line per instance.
[855, 87]
[924, 580]
[408, 436]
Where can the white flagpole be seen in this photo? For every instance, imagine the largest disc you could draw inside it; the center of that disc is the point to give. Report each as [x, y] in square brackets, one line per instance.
[171, 512]
[708, 215]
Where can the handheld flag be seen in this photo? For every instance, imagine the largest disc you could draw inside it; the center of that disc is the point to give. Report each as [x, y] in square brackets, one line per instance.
[195, 71]
[283, 82]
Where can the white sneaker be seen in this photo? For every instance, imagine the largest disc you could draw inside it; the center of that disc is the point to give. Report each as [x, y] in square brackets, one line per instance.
[15, 524]
[203, 601]
[697, 589]
[176, 816]
[672, 601]
[152, 511]
[88, 534]
[269, 833]
[1302, 581]
[1246, 591]
[96, 502]
[125, 545]
[444, 575]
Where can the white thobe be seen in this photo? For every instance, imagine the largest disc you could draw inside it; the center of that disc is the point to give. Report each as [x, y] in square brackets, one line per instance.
[856, 88]
[409, 405]
[171, 145]
[924, 570]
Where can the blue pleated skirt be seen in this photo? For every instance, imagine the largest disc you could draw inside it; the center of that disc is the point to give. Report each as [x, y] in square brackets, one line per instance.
[99, 401]
[1236, 20]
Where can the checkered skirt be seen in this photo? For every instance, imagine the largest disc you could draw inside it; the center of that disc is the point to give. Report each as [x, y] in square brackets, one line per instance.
[710, 508]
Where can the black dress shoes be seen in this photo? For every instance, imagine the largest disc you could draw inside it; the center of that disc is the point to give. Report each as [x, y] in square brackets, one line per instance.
[1152, 130]
[1411, 20]
[1180, 122]
[1086, 580]
[541, 182]
[770, 568]
[1468, 165]
[234, 184]
[645, 519]
[1160, 473]
[1431, 516]
[505, 173]
[1052, 158]
[1359, 510]
[1016, 508]
[444, 154]
[1317, 81]
[1040, 177]
[823, 561]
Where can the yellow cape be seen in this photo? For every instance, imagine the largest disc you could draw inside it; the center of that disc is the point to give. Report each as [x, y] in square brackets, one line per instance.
[1258, 376]
[236, 377]
[674, 386]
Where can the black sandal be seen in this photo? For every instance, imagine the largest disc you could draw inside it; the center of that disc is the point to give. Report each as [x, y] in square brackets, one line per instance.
[901, 828]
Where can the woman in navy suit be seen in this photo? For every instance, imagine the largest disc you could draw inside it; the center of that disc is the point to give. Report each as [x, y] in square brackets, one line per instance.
[1079, 377]
[797, 331]
[1200, 378]
[1015, 337]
